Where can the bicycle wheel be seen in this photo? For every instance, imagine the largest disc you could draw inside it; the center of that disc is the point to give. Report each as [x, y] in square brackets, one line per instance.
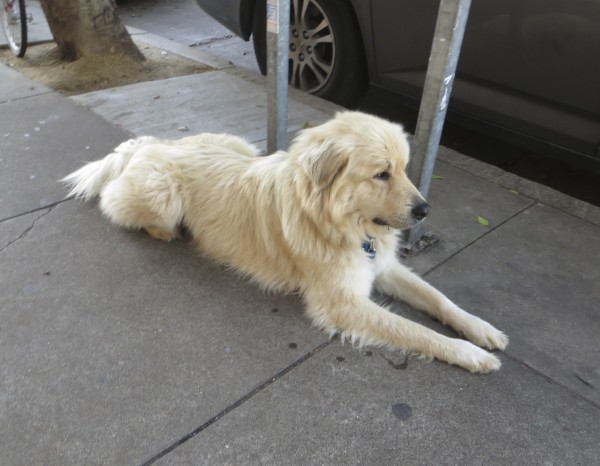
[14, 24]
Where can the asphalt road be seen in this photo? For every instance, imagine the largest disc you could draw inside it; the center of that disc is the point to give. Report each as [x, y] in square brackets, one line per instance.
[184, 22]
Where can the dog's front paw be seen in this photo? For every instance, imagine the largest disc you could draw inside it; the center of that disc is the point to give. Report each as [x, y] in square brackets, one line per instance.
[483, 334]
[472, 358]
[161, 234]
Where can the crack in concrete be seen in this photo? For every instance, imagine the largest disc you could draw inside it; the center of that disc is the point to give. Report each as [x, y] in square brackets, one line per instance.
[210, 41]
[27, 229]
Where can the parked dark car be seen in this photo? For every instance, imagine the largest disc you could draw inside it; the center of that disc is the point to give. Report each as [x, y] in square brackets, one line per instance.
[529, 70]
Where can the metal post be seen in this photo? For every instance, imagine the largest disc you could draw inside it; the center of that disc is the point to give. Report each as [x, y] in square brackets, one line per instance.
[278, 33]
[447, 41]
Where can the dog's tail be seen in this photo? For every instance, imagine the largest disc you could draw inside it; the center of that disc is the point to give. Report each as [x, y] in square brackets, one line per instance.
[89, 180]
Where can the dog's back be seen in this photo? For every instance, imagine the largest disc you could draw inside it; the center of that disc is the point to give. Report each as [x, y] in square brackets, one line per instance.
[89, 180]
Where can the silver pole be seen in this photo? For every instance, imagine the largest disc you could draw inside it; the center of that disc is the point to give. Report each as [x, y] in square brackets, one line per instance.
[278, 33]
[447, 41]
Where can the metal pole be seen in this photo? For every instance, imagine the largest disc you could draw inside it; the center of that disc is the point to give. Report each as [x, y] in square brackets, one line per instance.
[447, 41]
[278, 33]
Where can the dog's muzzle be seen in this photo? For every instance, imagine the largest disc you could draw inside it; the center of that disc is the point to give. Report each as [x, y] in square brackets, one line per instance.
[417, 213]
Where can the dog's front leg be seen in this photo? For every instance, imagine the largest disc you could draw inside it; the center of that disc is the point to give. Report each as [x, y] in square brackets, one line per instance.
[365, 323]
[402, 284]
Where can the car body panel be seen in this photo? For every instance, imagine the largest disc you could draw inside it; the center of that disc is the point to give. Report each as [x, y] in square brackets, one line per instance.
[525, 65]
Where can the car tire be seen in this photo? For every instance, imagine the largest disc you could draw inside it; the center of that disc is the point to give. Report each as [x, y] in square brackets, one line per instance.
[327, 61]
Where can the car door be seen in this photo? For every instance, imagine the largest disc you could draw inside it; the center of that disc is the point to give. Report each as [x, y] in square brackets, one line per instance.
[528, 68]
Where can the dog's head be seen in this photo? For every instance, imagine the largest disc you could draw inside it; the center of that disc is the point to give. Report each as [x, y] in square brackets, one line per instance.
[356, 166]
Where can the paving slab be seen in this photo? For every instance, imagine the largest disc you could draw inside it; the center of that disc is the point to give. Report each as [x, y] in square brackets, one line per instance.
[114, 345]
[44, 138]
[457, 199]
[541, 193]
[536, 278]
[176, 20]
[344, 407]
[218, 101]
[16, 86]
[142, 38]
[235, 50]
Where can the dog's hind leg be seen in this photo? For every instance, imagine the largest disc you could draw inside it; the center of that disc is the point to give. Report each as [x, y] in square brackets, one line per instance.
[152, 204]
[365, 323]
[402, 284]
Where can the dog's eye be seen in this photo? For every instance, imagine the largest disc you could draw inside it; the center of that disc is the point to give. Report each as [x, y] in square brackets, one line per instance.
[383, 176]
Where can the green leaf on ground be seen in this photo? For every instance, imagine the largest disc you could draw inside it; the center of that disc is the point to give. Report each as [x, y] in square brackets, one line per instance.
[305, 125]
[514, 191]
[437, 177]
[483, 221]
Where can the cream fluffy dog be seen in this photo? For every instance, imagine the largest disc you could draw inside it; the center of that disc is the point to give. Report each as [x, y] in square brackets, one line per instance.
[321, 219]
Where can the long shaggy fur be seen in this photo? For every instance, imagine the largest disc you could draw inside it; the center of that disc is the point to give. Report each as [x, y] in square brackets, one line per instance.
[296, 220]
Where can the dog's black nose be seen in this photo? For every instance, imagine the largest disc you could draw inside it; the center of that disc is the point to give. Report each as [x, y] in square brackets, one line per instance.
[420, 211]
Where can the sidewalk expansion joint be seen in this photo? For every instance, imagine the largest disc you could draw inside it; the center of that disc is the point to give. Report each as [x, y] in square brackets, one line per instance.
[479, 238]
[8, 101]
[238, 403]
[549, 379]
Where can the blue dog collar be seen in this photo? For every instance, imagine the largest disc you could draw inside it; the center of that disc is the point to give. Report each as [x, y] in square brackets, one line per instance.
[369, 247]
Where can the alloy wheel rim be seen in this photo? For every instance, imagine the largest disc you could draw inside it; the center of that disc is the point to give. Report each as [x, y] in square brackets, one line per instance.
[312, 46]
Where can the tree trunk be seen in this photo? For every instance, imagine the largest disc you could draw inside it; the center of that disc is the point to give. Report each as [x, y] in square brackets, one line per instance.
[88, 27]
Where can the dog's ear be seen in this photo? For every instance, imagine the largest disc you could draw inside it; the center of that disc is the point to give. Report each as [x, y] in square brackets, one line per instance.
[324, 162]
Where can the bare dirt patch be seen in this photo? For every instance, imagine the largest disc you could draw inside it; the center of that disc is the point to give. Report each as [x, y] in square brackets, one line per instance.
[42, 63]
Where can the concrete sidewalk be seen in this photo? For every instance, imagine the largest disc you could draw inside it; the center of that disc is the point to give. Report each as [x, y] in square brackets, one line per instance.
[118, 349]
